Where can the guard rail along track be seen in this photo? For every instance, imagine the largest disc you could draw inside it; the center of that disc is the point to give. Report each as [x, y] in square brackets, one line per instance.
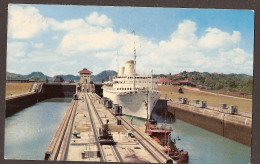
[151, 147]
[108, 152]
[58, 148]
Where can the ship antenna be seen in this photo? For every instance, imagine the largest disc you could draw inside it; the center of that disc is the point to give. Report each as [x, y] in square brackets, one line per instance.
[117, 61]
[152, 79]
[134, 59]
[147, 116]
[134, 53]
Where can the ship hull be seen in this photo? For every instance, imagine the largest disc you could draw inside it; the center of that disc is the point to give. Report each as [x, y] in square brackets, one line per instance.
[134, 103]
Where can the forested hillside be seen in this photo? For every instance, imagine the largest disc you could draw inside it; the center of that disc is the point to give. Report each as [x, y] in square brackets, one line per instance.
[232, 82]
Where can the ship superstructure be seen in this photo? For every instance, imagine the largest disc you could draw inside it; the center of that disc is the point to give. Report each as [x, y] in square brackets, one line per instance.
[135, 93]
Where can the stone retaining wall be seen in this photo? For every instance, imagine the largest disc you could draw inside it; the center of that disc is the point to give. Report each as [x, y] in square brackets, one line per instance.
[234, 127]
[16, 103]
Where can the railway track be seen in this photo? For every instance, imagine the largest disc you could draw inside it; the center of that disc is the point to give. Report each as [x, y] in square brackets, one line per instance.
[58, 148]
[108, 152]
[151, 147]
[145, 141]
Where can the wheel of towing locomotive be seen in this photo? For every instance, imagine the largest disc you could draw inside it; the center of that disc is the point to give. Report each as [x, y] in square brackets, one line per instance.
[169, 161]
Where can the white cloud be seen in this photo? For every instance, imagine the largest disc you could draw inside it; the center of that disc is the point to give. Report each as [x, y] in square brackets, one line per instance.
[24, 23]
[93, 40]
[93, 43]
[235, 56]
[185, 30]
[69, 24]
[37, 45]
[216, 38]
[16, 49]
[183, 37]
[99, 20]
[55, 37]
[105, 55]
[41, 56]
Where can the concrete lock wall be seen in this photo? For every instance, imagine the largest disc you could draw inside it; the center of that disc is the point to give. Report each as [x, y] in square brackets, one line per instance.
[99, 90]
[16, 103]
[212, 124]
[237, 132]
[237, 128]
[58, 90]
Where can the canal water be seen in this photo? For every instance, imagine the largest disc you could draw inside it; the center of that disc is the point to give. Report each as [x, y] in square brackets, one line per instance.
[204, 147]
[29, 132]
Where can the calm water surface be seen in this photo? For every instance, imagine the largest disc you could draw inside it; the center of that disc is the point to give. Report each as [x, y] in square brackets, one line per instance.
[205, 147]
[29, 132]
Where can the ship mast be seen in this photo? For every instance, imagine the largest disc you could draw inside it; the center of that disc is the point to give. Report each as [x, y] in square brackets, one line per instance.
[117, 61]
[147, 118]
[134, 59]
[152, 79]
[134, 54]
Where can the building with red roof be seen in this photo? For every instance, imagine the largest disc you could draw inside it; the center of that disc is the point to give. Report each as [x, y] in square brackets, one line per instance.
[85, 71]
[165, 81]
[187, 82]
[240, 93]
[178, 75]
[175, 83]
[223, 90]
[85, 76]
[203, 87]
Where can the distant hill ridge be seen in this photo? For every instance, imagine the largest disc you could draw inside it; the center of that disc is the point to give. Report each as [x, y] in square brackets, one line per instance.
[32, 76]
[216, 81]
[102, 76]
[232, 81]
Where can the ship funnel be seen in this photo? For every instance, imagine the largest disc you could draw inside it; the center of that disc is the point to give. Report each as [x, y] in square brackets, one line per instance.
[121, 71]
[129, 68]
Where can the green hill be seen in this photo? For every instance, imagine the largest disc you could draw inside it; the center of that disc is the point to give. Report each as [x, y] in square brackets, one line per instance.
[32, 76]
[70, 77]
[13, 76]
[232, 82]
[103, 76]
[37, 76]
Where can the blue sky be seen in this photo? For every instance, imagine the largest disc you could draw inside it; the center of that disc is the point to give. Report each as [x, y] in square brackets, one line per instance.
[57, 39]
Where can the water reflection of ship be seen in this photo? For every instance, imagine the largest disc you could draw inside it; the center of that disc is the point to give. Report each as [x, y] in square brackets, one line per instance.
[162, 135]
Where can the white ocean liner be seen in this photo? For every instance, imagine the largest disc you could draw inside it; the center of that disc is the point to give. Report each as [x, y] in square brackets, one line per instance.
[132, 91]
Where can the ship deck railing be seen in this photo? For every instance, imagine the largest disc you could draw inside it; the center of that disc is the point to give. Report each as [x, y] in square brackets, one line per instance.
[161, 128]
[123, 92]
